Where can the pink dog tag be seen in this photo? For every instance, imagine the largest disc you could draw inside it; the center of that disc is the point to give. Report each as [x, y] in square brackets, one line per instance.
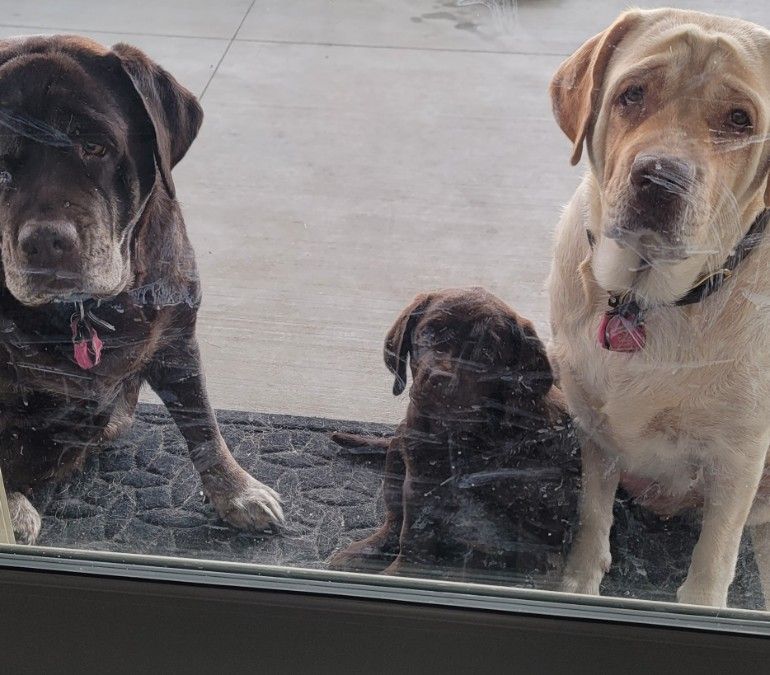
[621, 332]
[87, 345]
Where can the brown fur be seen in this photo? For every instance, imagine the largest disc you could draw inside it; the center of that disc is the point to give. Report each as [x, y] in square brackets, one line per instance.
[481, 404]
[129, 260]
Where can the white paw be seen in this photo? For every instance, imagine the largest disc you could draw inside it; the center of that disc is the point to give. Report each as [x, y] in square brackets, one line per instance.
[693, 593]
[584, 572]
[246, 503]
[25, 519]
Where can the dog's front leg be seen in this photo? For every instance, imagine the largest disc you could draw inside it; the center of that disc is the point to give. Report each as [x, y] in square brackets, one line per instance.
[589, 558]
[176, 376]
[729, 494]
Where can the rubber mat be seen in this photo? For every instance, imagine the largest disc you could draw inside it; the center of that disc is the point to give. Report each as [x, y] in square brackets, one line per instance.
[142, 495]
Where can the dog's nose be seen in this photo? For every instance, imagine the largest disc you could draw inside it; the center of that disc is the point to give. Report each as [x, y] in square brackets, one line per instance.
[661, 177]
[440, 374]
[440, 378]
[48, 245]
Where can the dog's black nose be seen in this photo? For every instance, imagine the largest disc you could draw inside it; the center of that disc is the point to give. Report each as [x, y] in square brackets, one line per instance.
[440, 375]
[661, 177]
[660, 188]
[48, 245]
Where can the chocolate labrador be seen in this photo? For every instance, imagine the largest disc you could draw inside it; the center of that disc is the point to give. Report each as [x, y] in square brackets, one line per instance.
[483, 472]
[99, 289]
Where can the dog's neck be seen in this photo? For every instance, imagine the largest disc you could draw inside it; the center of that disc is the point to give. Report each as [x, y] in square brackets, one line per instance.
[700, 276]
[622, 326]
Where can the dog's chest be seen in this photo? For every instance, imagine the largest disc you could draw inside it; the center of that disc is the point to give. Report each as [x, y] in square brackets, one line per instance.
[40, 352]
[665, 416]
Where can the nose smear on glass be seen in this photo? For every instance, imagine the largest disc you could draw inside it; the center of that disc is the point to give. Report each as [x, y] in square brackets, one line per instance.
[504, 13]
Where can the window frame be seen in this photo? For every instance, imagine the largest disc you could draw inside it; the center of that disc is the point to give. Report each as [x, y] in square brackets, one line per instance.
[66, 604]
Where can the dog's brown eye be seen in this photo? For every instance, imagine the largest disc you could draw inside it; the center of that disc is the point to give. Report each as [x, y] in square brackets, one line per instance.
[93, 149]
[634, 94]
[740, 119]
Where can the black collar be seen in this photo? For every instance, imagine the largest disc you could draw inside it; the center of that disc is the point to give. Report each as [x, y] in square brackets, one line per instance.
[712, 282]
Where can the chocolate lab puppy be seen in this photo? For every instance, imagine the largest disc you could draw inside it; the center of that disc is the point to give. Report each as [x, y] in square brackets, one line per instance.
[483, 470]
[98, 285]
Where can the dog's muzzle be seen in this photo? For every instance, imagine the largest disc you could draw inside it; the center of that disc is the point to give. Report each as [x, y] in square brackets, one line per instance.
[49, 252]
[659, 189]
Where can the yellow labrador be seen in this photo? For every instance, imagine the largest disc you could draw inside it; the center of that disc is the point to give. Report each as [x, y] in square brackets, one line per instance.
[660, 285]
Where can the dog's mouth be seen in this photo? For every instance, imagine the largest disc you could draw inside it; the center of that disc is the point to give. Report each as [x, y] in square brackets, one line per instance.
[50, 282]
[34, 287]
[455, 404]
[450, 416]
[650, 247]
[45, 276]
[49, 272]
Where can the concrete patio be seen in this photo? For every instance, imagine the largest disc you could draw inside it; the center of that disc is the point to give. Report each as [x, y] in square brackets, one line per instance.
[353, 154]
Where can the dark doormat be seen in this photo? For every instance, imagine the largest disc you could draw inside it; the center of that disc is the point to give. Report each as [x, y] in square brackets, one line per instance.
[142, 495]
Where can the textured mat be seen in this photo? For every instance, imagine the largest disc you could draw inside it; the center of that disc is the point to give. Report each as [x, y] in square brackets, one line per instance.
[143, 496]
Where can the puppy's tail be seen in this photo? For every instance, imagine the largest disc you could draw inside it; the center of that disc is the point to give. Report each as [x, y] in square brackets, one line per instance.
[358, 441]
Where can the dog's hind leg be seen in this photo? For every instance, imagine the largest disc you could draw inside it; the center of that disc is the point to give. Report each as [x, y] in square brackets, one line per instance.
[358, 441]
[378, 550]
[123, 414]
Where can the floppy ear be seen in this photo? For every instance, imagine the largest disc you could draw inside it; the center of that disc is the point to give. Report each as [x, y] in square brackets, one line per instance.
[576, 87]
[531, 368]
[398, 341]
[173, 111]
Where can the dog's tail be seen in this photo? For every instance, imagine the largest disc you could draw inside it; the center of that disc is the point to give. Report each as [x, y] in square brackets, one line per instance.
[358, 441]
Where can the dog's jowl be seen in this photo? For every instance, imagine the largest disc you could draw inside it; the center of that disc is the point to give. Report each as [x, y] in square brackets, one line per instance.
[99, 290]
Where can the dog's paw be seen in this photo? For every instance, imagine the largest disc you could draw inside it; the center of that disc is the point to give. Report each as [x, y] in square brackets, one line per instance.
[584, 572]
[244, 502]
[585, 583]
[25, 519]
[372, 554]
[360, 557]
[691, 593]
[348, 559]
[399, 568]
